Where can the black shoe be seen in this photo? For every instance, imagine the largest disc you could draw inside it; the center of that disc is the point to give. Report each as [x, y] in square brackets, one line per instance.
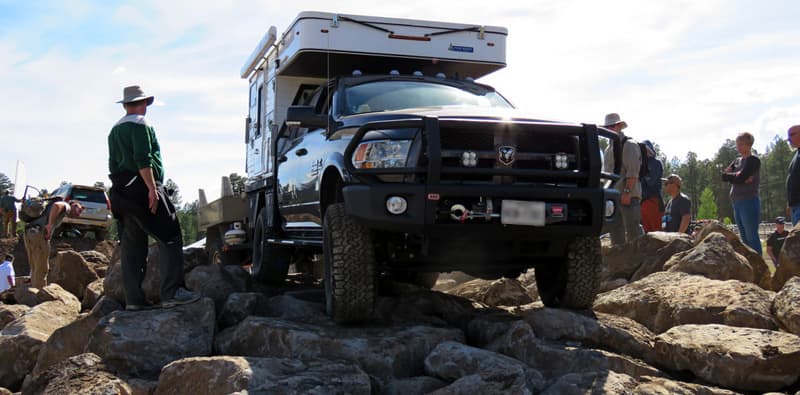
[182, 296]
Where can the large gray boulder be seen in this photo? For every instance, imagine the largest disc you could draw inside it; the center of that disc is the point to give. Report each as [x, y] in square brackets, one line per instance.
[112, 282]
[226, 375]
[24, 337]
[761, 273]
[414, 385]
[213, 282]
[140, 343]
[786, 306]
[384, 353]
[623, 261]
[743, 359]
[608, 383]
[71, 339]
[789, 260]
[666, 299]
[80, 374]
[554, 359]
[293, 306]
[239, 306]
[655, 263]
[606, 331]
[661, 385]
[10, 312]
[92, 293]
[451, 361]
[25, 294]
[712, 258]
[54, 293]
[72, 272]
[501, 292]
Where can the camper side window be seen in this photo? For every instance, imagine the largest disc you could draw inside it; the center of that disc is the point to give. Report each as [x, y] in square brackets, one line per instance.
[255, 109]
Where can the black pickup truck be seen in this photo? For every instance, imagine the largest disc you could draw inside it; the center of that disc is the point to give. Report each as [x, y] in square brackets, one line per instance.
[409, 176]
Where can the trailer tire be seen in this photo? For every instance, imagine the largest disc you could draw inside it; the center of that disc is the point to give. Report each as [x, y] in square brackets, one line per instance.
[350, 278]
[270, 261]
[572, 284]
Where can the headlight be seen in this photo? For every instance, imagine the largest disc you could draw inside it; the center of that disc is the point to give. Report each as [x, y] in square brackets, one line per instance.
[379, 154]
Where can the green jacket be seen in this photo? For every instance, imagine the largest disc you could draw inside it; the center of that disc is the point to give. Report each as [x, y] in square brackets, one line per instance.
[132, 145]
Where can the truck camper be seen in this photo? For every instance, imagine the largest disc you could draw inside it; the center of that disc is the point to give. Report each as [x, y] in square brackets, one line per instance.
[369, 143]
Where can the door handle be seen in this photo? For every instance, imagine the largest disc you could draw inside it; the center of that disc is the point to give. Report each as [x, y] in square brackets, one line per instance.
[301, 152]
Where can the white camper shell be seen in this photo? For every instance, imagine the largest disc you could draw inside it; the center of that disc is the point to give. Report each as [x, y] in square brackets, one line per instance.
[319, 46]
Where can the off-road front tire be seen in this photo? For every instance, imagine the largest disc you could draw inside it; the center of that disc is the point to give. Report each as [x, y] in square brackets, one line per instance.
[349, 260]
[270, 261]
[574, 283]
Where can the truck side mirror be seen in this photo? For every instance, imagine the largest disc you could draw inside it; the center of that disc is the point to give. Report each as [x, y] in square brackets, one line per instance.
[305, 116]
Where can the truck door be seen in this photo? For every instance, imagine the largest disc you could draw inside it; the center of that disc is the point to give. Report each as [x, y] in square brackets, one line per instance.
[299, 173]
[255, 127]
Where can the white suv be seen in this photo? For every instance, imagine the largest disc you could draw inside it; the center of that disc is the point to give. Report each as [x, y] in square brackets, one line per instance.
[96, 215]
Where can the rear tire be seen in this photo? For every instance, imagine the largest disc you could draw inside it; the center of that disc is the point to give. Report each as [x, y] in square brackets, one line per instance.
[574, 283]
[350, 278]
[270, 261]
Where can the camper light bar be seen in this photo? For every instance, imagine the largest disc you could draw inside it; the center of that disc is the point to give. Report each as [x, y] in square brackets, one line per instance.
[260, 51]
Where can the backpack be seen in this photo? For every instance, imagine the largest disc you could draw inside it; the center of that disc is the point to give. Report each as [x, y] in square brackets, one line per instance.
[644, 170]
[32, 208]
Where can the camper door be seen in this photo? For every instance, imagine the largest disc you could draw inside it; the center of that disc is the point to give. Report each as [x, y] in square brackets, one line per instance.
[256, 129]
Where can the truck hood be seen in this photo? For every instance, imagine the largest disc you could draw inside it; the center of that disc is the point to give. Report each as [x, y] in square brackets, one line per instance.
[511, 115]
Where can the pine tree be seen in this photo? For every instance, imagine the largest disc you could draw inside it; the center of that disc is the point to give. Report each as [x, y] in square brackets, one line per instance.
[708, 208]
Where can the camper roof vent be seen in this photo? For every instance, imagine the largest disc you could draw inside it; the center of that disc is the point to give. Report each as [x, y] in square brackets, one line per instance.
[418, 73]
[440, 76]
[357, 73]
[394, 72]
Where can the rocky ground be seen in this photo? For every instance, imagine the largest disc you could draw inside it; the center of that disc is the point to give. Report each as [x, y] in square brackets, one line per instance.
[677, 316]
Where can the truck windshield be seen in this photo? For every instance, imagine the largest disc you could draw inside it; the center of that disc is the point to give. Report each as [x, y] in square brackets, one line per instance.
[397, 95]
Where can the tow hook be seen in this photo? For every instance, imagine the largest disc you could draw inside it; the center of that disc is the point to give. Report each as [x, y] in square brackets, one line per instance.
[460, 213]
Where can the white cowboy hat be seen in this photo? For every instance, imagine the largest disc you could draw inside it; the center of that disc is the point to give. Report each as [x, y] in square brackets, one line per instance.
[135, 93]
[613, 119]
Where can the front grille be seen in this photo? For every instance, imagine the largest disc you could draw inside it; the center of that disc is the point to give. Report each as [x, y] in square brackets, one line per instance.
[534, 145]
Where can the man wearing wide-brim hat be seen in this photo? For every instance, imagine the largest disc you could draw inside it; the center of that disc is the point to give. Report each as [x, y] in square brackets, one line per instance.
[630, 188]
[141, 205]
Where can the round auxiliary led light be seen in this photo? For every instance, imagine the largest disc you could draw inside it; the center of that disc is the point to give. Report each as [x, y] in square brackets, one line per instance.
[610, 208]
[396, 205]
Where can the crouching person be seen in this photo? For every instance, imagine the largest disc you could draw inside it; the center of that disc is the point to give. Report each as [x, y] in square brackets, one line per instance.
[45, 216]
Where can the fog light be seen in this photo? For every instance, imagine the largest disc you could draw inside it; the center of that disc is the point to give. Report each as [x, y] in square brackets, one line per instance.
[469, 158]
[610, 208]
[396, 205]
[561, 161]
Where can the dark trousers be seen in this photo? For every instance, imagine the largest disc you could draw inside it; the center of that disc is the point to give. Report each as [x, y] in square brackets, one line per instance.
[135, 222]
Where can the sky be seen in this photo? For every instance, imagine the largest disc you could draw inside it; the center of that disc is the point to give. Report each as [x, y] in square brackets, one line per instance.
[685, 74]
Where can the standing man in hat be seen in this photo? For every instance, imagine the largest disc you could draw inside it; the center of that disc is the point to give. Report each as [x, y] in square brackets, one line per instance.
[652, 202]
[775, 240]
[141, 206]
[630, 188]
[678, 213]
[793, 180]
[9, 219]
